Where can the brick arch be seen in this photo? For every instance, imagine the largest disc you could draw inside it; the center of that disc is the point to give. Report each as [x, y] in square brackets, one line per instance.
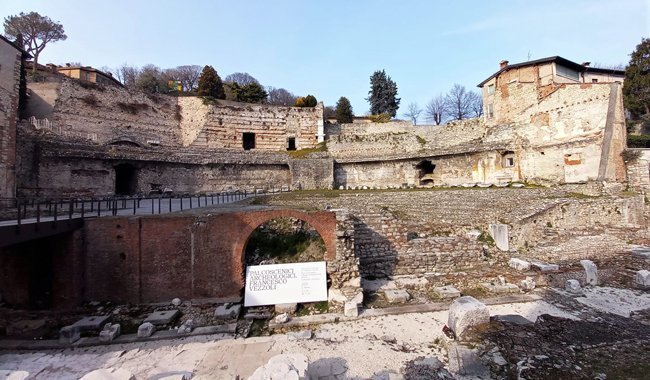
[324, 222]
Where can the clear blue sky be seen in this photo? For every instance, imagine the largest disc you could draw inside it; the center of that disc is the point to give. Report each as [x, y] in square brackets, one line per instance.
[330, 48]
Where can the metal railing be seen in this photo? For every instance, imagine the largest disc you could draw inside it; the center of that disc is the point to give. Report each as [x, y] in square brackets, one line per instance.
[36, 210]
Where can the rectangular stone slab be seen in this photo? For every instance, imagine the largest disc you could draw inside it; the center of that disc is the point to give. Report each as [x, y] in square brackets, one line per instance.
[447, 291]
[162, 317]
[95, 322]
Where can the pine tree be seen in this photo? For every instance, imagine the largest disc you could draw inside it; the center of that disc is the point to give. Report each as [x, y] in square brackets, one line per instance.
[252, 93]
[210, 84]
[310, 101]
[344, 112]
[383, 94]
[636, 89]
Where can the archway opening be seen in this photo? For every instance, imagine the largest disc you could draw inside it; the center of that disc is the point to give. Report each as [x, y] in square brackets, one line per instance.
[126, 179]
[425, 172]
[285, 240]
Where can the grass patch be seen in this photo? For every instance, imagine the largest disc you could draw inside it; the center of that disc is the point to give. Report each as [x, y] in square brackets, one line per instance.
[421, 140]
[485, 238]
[302, 153]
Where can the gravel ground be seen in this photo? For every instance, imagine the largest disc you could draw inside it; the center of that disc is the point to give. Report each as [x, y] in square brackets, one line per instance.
[369, 348]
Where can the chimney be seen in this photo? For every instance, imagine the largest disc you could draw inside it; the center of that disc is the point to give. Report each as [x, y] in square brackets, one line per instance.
[503, 64]
[586, 64]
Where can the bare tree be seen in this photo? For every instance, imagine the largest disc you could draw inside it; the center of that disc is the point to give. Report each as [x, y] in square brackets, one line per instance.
[127, 75]
[34, 32]
[435, 110]
[242, 79]
[458, 102]
[413, 112]
[475, 104]
[280, 97]
[188, 75]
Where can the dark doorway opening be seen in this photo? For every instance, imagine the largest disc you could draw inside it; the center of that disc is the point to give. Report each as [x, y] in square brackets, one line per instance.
[126, 180]
[248, 140]
[291, 143]
[425, 172]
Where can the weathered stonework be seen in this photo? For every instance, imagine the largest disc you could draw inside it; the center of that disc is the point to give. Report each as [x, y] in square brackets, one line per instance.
[10, 69]
[574, 134]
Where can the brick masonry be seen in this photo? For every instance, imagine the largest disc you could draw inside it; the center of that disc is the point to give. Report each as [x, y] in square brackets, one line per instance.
[151, 259]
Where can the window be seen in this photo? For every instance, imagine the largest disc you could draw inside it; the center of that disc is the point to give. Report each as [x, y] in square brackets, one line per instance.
[489, 111]
[248, 140]
[291, 143]
[567, 73]
[490, 89]
[594, 80]
[508, 159]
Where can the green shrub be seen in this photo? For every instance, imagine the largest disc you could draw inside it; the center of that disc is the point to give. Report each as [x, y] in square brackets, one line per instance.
[638, 141]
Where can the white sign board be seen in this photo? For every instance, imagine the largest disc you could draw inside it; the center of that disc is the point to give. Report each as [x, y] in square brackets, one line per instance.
[285, 283]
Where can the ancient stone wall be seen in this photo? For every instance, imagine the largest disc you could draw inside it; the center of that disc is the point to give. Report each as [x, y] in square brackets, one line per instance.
[153, 259]
[114, 115]
[109, 114]
[222, 124]
[638, 170]
[55, 167]
[10, 66]
[573, 134]
[415, 232]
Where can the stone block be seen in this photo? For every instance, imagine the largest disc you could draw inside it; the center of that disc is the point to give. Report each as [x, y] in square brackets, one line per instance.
[473, 234]
[642, 278]
[13, 375]
[69, 334]
[591, 270]
[527, 284]
[110, 332]
[300, 335]
[351, 309]
[186, 327]
[335, 295]
[96, 322]
[499, 233]
[177, 302]
[466, 312]
[543, 267]
[447, 292]
[146, 330]
[108, 374]
[573, 286]
[500, 288]
[285, 366]
[286, 308]
[173, 375]
[163, 317]
[227, 311]
[397, 295]
[519, 264]
[282, 318]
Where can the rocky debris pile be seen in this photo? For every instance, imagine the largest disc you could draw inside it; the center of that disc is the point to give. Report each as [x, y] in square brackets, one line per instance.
[422, 368]
[555, 347]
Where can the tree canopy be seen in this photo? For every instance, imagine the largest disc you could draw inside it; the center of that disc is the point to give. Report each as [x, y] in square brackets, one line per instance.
[344, 112]
[307, 101]
[383, 94]
[241, 79]
[636, 88]
[36, 32]
[210, 84]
